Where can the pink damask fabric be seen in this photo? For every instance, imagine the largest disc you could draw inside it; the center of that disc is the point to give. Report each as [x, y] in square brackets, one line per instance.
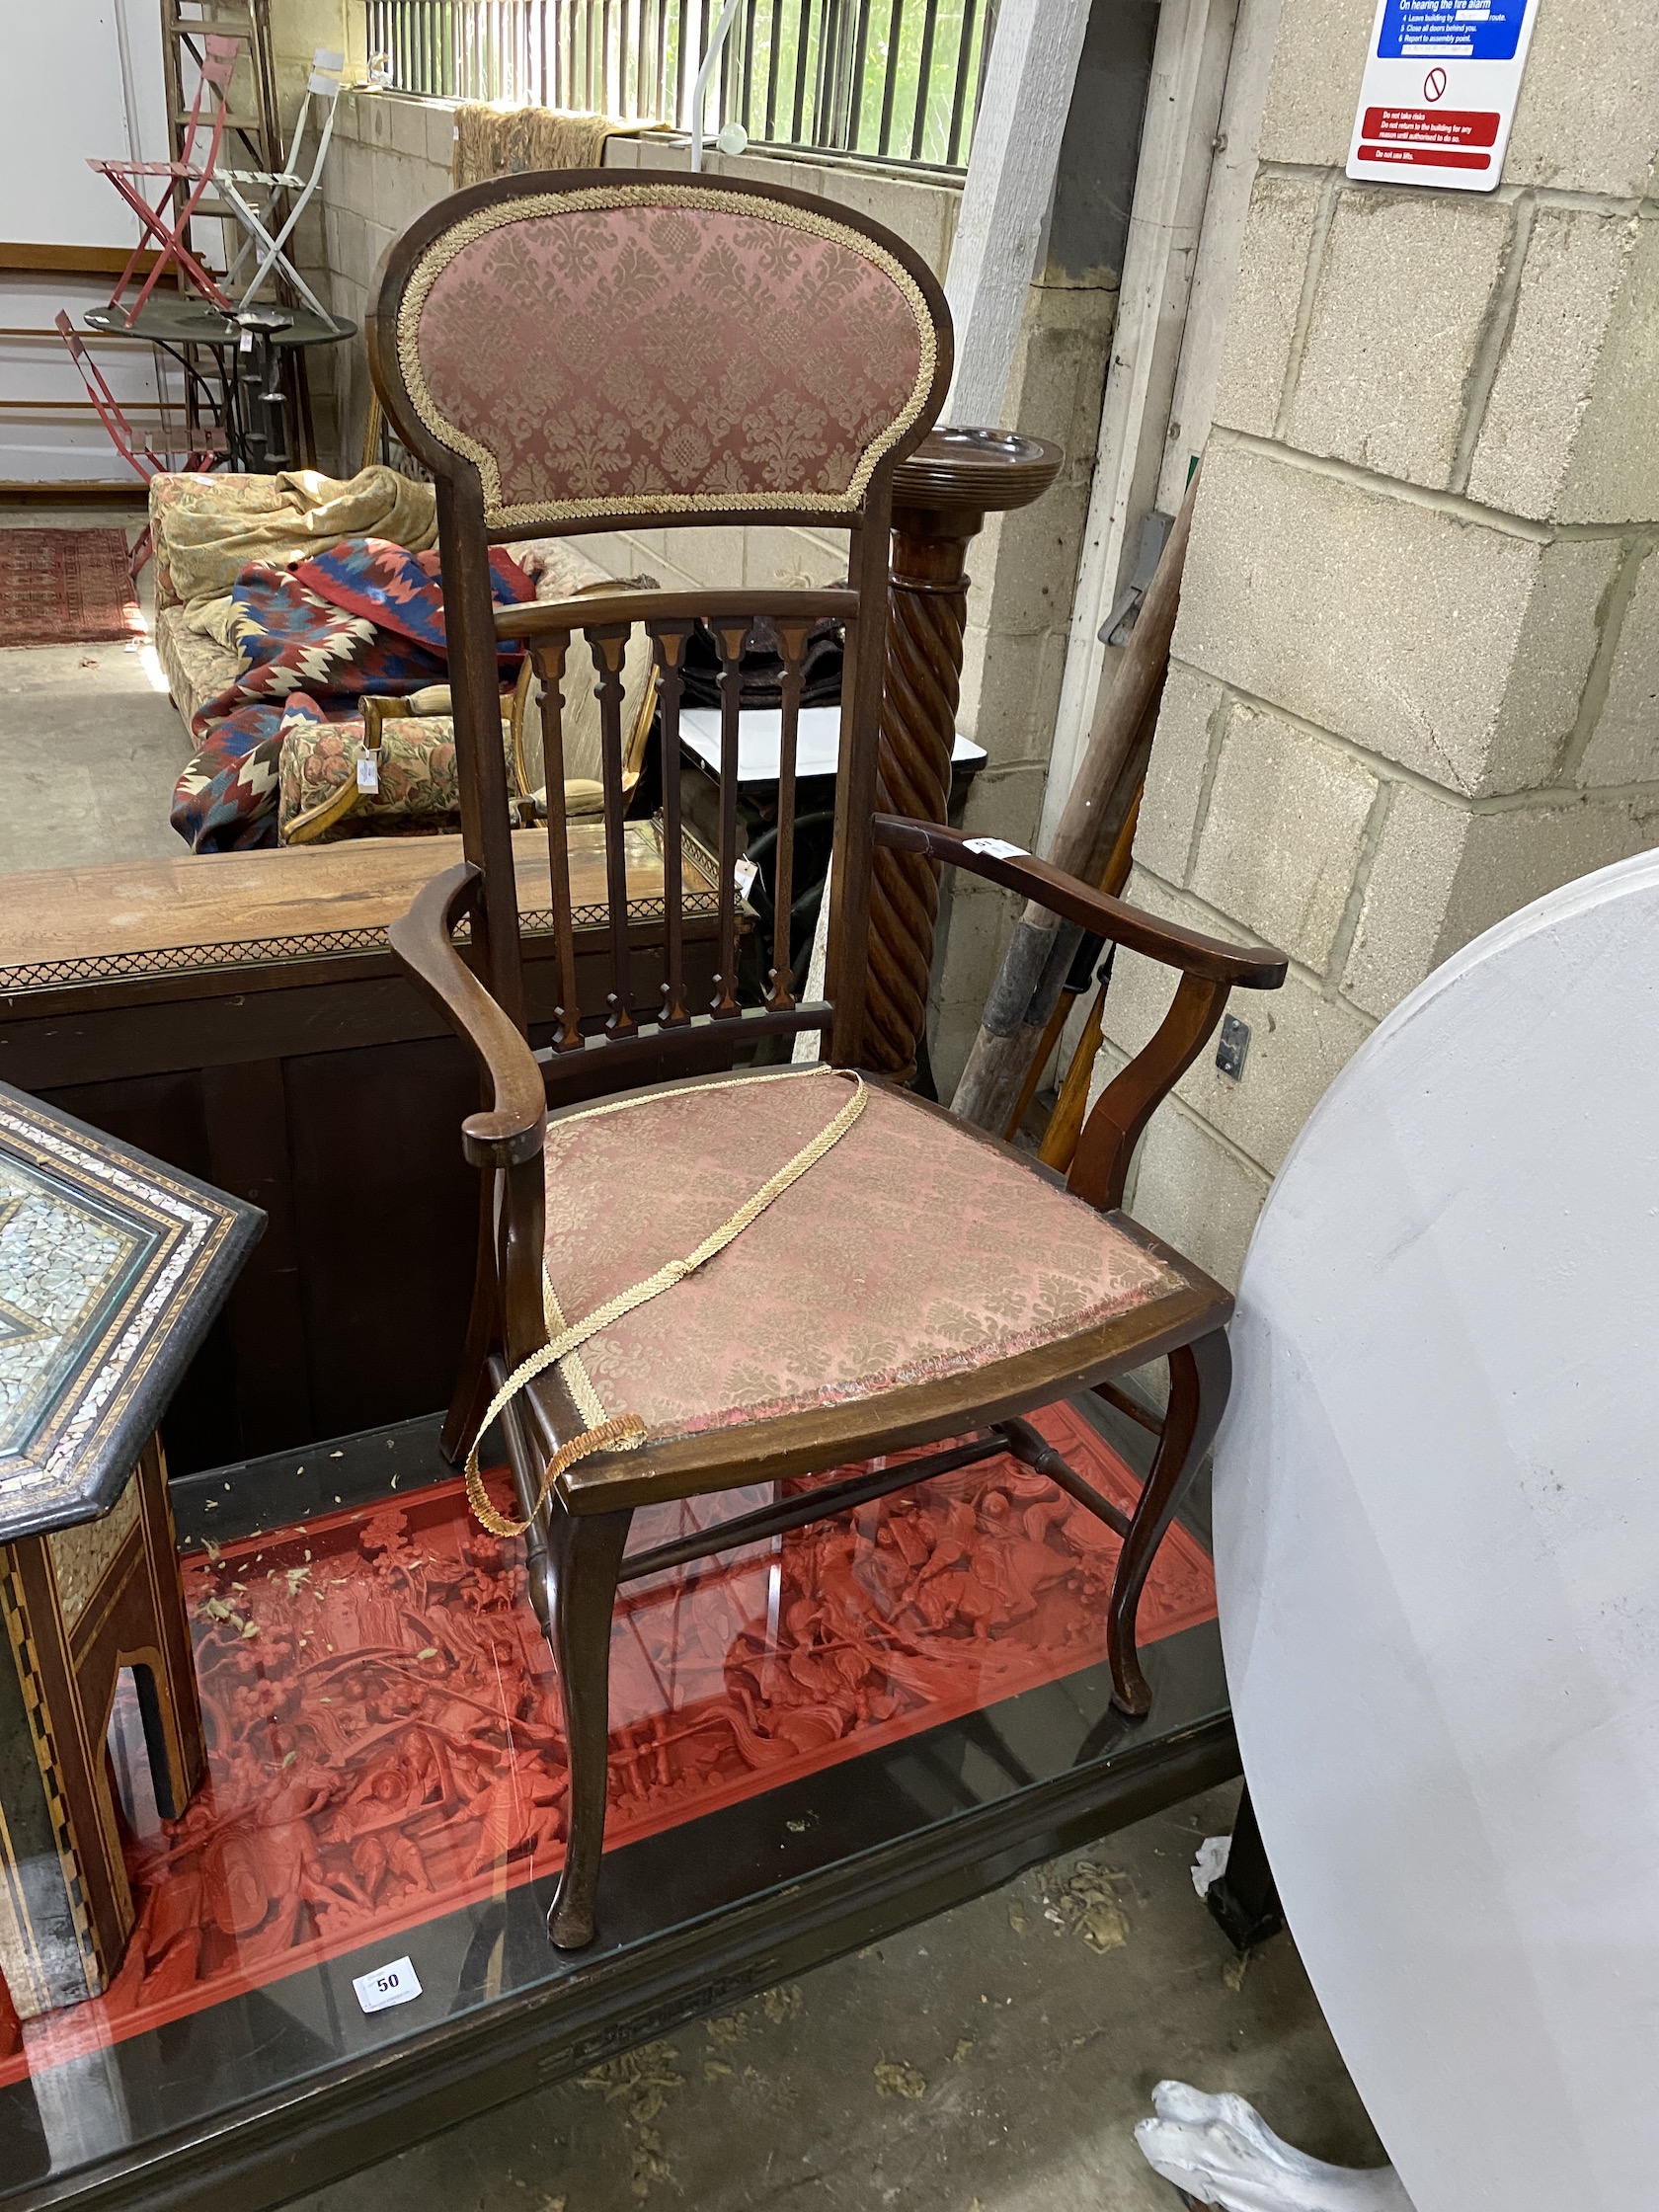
[910, 1250]
[667, 353]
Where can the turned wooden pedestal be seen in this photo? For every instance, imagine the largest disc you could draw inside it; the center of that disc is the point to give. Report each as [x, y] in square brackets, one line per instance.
[941, 496]
[111, 1268]
[77, 1606]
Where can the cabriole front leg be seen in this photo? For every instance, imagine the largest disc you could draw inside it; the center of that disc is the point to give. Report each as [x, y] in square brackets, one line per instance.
[585, 1558]
[1200, 1375]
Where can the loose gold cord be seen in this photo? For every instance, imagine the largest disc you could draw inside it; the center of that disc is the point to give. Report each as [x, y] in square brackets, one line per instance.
[626, 1431]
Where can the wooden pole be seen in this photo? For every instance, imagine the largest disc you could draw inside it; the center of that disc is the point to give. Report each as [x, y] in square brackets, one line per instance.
[1034, 967]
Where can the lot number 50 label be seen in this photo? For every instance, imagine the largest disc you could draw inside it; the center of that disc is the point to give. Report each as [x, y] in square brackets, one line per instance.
[397, 1984]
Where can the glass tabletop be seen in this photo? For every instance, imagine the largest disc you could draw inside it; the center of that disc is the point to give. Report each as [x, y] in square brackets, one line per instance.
[178, 319]
[385, 1811]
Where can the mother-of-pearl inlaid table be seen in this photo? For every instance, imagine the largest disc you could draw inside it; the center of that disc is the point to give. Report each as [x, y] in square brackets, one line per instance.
[111, 1266]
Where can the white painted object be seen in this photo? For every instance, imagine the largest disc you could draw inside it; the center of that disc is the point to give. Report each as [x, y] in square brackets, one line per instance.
[818, 741]
[1438, 97]
[1012, 169]
[717, 38]
[808, 1046]
[1210, 1863]
[1222, 2151]
[1220, 245]
[1190, 71]
[1436, 1532]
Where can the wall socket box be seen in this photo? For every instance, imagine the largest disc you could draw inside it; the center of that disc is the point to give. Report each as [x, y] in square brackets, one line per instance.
[1234, 1048]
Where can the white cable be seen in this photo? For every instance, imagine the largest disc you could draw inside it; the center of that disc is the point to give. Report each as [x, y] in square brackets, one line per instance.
[726, 17]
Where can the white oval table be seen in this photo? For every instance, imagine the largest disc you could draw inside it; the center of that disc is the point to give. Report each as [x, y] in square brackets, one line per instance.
[1436, 1547]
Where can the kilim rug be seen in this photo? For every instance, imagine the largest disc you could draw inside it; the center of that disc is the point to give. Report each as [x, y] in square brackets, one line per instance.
[65, 587]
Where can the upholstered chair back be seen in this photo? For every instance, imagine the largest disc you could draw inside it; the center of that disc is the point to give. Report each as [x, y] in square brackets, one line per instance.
[578, 352]
[600, 347]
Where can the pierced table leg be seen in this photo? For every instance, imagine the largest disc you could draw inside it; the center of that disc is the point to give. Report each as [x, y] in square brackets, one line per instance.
[1200, 1375]
[584, 1556]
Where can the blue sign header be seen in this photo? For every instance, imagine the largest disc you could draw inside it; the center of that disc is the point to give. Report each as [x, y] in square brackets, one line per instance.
[1460, 30]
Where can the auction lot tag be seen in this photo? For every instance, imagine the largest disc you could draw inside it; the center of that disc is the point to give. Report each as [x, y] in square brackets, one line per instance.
[1439, 93]
[397, 1984]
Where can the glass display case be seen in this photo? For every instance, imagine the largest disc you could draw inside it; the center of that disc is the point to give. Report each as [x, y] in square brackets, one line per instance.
[339, 1944]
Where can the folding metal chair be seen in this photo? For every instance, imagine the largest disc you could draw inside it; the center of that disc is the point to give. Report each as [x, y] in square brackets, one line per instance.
[323, 86]
[187, 180]
[203, 449]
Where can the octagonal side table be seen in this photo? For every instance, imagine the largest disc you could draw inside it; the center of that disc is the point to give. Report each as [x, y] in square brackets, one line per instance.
[112, 1267]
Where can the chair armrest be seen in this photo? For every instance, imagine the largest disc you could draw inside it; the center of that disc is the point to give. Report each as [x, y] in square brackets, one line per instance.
[1244, 967]
[423, 939]
[1210, 969]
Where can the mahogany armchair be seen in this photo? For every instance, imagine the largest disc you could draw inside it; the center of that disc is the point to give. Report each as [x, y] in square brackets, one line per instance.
[743, 1274]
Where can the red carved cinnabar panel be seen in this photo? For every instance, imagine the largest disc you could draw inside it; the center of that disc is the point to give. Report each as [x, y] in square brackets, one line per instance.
[383, 1718]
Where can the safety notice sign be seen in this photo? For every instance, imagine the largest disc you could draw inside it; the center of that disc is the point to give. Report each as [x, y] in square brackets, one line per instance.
[1439, 95]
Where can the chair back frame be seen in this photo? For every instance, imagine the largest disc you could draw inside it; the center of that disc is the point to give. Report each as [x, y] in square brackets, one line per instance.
[474, 513]
[290, 193]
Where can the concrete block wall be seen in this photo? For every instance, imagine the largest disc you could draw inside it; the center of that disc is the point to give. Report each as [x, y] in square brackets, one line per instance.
[1415, 679]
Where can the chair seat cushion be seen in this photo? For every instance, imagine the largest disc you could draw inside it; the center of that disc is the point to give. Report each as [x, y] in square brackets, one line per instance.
[913, 1250]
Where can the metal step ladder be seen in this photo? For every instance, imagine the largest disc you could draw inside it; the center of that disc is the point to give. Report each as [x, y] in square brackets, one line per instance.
[255, 124]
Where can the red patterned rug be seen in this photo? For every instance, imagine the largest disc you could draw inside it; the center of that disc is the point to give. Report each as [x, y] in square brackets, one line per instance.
[65, 587]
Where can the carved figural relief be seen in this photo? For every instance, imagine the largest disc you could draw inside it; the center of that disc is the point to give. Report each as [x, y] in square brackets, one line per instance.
[384, 1732]
[112, 1267]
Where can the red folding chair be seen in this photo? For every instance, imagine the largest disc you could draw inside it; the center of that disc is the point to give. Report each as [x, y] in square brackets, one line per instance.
[203, 133]
[205, 448]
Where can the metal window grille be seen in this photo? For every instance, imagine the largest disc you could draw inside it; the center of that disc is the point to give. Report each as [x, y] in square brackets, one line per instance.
[891, 80]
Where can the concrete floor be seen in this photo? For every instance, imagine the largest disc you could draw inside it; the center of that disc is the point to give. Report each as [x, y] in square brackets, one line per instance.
[992, 2060]
[90, 742]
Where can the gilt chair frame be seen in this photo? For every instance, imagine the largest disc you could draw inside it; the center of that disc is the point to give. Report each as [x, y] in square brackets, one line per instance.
[576, 1544]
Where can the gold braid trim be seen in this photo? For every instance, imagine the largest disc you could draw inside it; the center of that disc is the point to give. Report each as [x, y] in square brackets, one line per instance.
[620, 1435]
[626, 1431]
[443, 249]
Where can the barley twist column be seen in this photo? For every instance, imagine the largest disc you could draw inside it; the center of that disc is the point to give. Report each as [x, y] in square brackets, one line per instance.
[941, 496]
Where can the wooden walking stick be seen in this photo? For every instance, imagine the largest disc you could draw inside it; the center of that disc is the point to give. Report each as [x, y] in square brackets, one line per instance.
[1034, 967]
[1077, 980]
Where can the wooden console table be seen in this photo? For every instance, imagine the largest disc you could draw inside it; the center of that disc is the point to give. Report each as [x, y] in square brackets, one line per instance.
[240, 1016]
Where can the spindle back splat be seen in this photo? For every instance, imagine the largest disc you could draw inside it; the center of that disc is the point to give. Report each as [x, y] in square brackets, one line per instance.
[734, 621]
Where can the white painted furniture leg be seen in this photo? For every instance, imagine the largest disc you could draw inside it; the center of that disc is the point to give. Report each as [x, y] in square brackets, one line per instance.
[1222, 2151]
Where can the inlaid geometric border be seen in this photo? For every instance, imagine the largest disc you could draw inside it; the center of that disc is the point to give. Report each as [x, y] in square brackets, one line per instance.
[321, 944]
[20, 1949]
[81, 1452]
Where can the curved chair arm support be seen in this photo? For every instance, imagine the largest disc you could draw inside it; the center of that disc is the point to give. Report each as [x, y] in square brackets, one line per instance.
[1249, 967]
[1210, 970]
[510, 1132]
[1100, 1164]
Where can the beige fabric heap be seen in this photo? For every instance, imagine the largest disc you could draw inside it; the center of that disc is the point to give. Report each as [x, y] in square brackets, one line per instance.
[209, 531]
[495, 142]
